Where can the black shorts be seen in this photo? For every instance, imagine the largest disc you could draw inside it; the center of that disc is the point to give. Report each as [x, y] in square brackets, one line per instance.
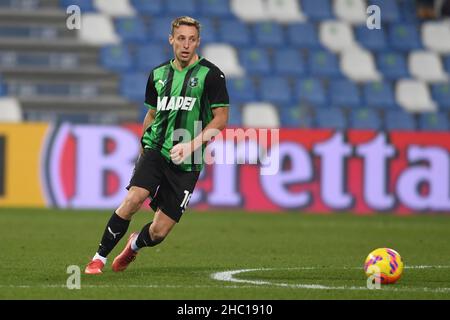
[170, 187]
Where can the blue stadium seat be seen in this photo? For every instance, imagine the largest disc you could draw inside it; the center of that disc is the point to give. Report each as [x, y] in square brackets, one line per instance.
[408, 11]
[234, 32]
[344, 93]
[399, 120]
[85, 5]
[131, 29]
[317, 9]
[241, 90]
[255, 61]
[441, 94]
[182, 8]
[208, 32]
[379, 95]
[215, 8]
[235, 115]
[404, 36]
[116, 58]
[289, 62]
[323, 63]
[436, 121]
[333, 118]
[390, 12]
[365, 119]
[146, 7]
[269, 34]
[296, 116]
[159, 28]
[276, 90]
[149, 56]
[303, 35]
[447, 63]
[374, 40]
[393, 65]
[133, 85]
[311, 91]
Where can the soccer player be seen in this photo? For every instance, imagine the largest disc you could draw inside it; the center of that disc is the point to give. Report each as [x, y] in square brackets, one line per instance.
[179, 93]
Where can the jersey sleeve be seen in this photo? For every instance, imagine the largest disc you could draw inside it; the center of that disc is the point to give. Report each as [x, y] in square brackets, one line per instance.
[151, 96]
[216, 89]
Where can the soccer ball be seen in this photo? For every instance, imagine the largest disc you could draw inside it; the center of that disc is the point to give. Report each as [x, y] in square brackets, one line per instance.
[384, 264]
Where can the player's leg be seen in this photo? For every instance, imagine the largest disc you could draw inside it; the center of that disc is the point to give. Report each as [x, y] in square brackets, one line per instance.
[117, 227]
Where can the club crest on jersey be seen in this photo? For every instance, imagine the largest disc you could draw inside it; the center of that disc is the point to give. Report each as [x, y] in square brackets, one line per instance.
[175, 103]
[193, 82]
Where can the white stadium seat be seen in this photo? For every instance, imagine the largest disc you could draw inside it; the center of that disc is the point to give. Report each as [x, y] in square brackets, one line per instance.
[426, 66]
[359, 65]
[250, 10]
[97, 29]
[115, 8]
[352, 11]
[414, 96]
[436, 36]
[10, 110]
[260, 115]
[285, 11]
[336, 35]
[225, 57]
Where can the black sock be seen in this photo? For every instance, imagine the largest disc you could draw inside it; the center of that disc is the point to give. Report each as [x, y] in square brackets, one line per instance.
[144, 239]
[114, 231]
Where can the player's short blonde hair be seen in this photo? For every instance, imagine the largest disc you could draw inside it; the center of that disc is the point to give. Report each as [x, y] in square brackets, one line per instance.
[185, 21]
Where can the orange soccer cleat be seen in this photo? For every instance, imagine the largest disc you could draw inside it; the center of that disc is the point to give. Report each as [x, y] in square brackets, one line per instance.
[94, 267]
[127, 255]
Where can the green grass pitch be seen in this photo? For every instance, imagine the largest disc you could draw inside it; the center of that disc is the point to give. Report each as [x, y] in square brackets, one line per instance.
[285, 256]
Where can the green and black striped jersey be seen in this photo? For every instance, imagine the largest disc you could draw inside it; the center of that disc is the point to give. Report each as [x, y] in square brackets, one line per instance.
[183, 100]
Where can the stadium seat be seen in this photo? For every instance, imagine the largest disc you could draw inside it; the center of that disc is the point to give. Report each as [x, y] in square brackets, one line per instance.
[441, 94]
[379, 95]
[373, 40]
[145, 7]
[97, 29]
[85, 5]
[260, 115]
[317, 9]
[241, 90]
[215, 8]
[404, 37]
[235, 115]
[436, 36]
[414, 96]
[426, 66]
[149, 56]
[160, 28]
[350, 11]
[289, 62]
[269, 34]
[255, 61]
[358, 65]
[208, 32]
[250, 10]
[333, 118]
[399, 120]
[235, 32]
[344, 93]
[296, 116]
[177, 8]
[336, 35]
[285, 11]
[311, 91]
[116, 58]
[392, 65]
[225, 57]
[365, 119]
[303, 35]
[11, 110]
[131, 29]
[133, 86]
[323, 63]
[390, 12]
[117, 8]
[435, 121]
[275, 90]
[447, 64]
